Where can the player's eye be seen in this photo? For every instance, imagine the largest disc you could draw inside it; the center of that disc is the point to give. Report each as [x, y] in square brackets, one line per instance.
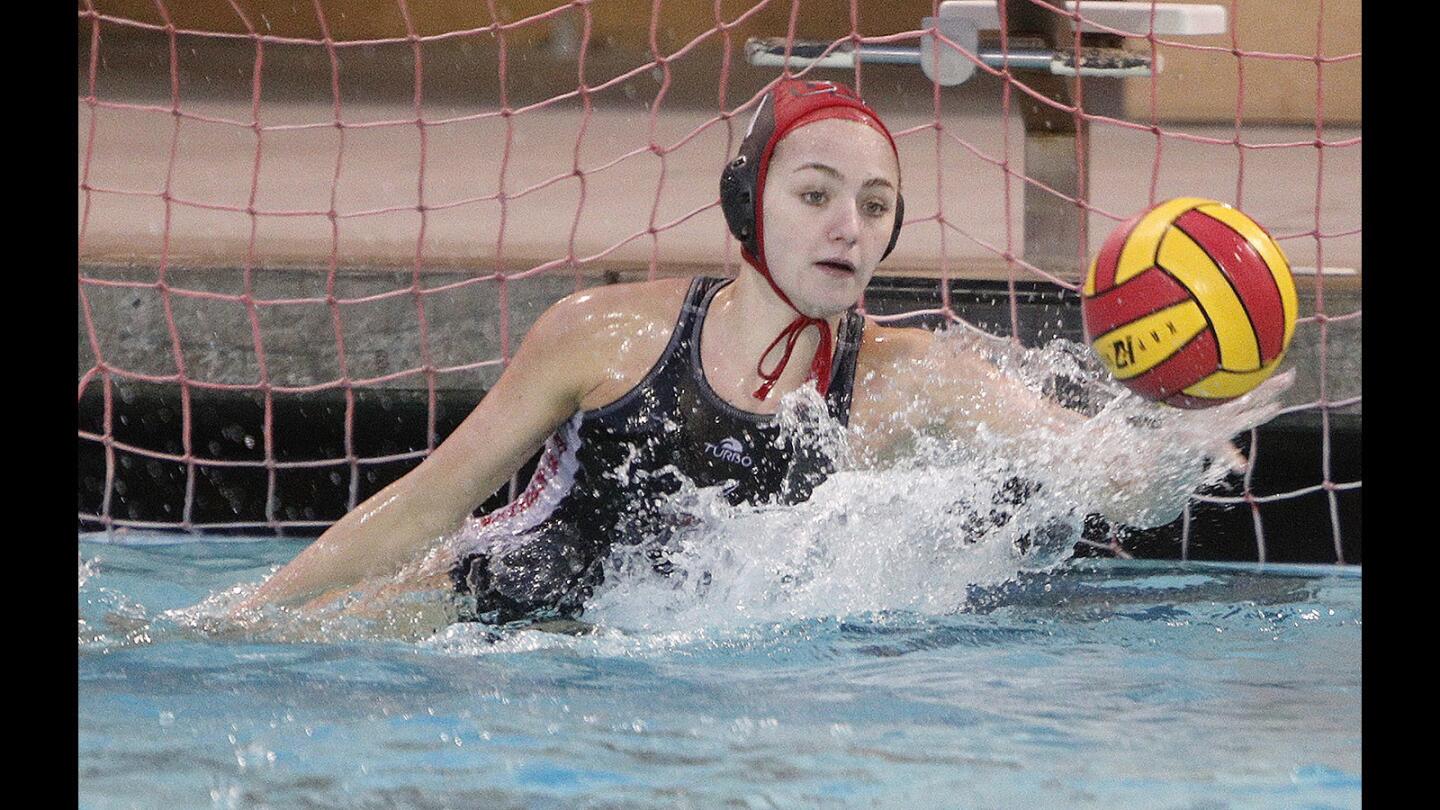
[813, 197]
[877, 208]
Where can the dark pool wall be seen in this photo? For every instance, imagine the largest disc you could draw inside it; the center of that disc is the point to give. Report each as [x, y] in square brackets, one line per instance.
[395, 421]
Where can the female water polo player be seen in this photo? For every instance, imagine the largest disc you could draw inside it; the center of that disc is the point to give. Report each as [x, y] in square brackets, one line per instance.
[632, 389]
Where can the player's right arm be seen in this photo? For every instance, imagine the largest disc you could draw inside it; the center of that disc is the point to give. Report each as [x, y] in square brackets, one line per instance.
[540, 389]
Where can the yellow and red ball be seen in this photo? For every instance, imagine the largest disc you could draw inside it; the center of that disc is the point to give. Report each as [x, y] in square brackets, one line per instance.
[1190, 303]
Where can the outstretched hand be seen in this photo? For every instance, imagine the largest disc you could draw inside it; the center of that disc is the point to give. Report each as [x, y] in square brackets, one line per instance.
[1246, 413]
[1147, 477]
[1234, 459]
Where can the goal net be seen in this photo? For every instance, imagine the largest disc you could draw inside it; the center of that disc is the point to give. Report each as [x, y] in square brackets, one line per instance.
[311, 234]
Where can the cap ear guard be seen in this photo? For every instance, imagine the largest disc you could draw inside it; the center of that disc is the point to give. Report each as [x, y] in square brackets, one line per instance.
[899, 220]
[741, 177]
[737, 197]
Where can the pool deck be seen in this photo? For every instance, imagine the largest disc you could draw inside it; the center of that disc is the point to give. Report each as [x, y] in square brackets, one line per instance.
[375, 188]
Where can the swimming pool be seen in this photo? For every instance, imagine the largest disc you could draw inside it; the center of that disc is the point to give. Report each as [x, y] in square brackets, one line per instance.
[1097, 683]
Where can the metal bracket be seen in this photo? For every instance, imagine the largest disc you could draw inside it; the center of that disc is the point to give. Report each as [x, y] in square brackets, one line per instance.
[961, 22]
[946, 65]
[942, 63]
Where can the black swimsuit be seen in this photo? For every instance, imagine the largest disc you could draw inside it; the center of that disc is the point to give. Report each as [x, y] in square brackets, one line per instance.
[605, 475]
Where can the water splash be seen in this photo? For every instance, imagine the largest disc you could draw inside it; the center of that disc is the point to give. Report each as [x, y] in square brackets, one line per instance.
[88, 569]
[918, 530]
[115, 621]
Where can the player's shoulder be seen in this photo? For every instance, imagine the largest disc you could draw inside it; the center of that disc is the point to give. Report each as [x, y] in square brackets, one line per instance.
[917, 355]
[597, 323]
[638, 297]
[887, 345]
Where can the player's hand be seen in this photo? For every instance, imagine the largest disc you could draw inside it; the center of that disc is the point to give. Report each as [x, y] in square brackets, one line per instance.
[1234, 459]
[1247, 412]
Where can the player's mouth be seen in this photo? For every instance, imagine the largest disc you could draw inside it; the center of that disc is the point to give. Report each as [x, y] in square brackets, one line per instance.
[839, 267]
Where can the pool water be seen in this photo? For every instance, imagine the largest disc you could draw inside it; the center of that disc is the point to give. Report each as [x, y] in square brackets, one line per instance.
[1094, 683]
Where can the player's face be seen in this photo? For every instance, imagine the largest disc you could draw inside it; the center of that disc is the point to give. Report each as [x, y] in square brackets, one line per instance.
[829, 207]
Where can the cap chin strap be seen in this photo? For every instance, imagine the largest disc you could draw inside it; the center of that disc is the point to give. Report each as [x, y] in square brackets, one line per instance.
[820, 366]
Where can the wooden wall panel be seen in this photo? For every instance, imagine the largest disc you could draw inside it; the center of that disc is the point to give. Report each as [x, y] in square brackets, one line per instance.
[1205, 85]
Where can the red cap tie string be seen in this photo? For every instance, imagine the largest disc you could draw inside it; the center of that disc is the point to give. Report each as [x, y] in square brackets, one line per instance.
[824, 353]
[819, 367]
